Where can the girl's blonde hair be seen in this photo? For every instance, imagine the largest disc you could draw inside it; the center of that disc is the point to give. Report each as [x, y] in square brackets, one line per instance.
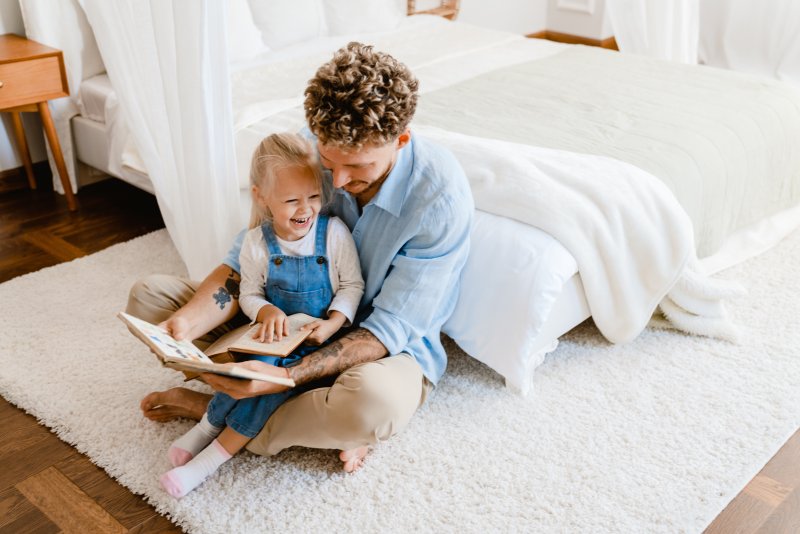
[276, 152]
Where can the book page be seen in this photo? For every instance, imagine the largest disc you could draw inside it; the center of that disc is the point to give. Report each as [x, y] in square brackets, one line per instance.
[184, 356]
[241, 339]
[163, 344]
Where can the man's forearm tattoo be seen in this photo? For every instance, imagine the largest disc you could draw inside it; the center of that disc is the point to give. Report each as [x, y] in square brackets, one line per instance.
[359, 346]
[226, 294]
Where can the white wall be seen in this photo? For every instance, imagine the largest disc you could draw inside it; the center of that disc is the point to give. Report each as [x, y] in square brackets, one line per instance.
[516, 16]
[584, 18]
[11, 22]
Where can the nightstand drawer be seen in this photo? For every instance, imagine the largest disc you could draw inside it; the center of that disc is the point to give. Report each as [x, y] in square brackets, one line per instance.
[30, 81]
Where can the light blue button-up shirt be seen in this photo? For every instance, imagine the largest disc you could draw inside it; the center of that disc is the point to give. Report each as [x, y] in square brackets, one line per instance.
[412, 240]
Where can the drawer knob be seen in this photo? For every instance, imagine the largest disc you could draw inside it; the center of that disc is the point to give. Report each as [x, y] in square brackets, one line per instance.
[1, 84]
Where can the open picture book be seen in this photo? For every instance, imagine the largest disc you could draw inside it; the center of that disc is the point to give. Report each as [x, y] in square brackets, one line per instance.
[185, 356]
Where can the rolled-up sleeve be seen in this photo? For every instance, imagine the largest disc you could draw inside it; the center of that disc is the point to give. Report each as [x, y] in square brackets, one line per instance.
[421, 288]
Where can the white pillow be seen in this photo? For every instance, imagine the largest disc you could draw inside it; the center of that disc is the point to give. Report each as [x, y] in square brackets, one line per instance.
[345, 17]
[244, 39]
[513, 277]
[286, 22]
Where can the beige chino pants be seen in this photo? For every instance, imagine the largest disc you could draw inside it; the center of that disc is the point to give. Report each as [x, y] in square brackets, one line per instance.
[366, 404]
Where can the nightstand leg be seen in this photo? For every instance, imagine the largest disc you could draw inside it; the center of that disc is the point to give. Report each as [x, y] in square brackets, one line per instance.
[22, 143]
[55, 148]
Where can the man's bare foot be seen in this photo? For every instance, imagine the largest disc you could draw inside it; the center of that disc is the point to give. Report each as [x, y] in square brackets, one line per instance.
[353, 459]
[167, 405]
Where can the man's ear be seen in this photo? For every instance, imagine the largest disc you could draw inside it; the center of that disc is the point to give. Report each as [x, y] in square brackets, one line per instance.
[404, 138]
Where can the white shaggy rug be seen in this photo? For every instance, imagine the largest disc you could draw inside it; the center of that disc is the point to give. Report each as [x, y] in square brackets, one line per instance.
[654, 436]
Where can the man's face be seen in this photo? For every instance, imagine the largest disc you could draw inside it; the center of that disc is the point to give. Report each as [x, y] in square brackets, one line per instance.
[361, 172]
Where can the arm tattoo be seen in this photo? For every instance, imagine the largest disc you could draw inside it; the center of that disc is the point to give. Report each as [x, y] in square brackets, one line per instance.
[226, 294]
[232, 284]
[359, 346]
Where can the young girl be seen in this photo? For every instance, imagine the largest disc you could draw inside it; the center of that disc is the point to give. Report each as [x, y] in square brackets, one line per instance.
[292, 260]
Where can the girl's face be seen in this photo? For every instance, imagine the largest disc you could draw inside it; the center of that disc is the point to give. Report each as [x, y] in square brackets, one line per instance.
[295, 201]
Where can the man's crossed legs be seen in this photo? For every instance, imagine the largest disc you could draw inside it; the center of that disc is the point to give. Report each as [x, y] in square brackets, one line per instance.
[366, 404]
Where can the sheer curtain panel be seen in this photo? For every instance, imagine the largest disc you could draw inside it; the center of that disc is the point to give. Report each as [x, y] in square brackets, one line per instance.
[62, 24]
[664, 29]
[757, 37]
[167, 61]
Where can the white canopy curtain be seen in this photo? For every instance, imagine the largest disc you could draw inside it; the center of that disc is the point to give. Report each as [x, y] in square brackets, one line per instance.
[167, 61]
[63, 25]
[758, 37]
[664, 29]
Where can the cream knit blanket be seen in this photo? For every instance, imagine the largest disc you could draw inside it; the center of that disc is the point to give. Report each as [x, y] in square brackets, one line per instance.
[632, 240]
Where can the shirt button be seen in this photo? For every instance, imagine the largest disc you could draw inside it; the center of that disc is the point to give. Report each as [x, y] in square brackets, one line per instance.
[278, 261]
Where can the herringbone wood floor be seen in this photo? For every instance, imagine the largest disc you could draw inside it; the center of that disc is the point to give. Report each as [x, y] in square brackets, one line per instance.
[47, 486]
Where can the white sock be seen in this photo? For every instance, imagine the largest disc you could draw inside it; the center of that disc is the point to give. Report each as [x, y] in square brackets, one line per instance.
[195, 440]
[181, 480]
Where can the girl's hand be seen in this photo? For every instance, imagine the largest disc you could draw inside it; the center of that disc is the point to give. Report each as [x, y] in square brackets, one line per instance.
[322, 329]
[273, 324]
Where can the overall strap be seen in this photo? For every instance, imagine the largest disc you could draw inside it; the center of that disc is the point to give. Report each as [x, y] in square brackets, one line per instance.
[270, 240]
[321, 239]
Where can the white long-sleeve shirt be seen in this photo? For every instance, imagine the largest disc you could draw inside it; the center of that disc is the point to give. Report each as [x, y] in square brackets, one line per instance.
[343, 268]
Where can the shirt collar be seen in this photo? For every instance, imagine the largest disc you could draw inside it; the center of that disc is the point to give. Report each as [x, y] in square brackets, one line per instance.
[392, 194]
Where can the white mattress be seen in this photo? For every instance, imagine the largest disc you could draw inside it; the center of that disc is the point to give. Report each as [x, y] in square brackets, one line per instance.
[101, 136]
[96, 99]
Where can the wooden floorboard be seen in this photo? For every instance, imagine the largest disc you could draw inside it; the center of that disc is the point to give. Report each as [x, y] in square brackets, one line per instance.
[46, 485]
[105, 491]
[66, 505]
[18, 515]
[36, 231]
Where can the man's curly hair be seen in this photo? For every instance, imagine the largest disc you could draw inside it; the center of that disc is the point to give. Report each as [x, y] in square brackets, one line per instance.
[360, 97]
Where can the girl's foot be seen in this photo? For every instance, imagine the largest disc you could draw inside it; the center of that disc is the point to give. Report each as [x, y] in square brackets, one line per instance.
[181, 480]
[195, 440]
[353, 459]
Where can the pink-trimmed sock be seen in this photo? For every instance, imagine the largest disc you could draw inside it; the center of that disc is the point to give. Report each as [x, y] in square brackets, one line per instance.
[195, 440]
[181, 480]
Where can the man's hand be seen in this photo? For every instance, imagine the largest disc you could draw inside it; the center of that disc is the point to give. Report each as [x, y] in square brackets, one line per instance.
[273, 324]
[242, 389]
[177, 326]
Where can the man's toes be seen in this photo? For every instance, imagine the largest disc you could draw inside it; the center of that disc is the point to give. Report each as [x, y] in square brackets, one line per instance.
[353, 459]
[353, 464]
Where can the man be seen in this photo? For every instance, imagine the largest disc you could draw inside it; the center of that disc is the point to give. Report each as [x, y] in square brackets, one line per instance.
[409, 207]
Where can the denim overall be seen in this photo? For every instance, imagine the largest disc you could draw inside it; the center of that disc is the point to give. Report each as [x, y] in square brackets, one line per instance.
[295, 284]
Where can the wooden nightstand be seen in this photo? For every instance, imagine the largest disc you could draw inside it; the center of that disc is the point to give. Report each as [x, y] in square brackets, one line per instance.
[30, 75]
[447, 9]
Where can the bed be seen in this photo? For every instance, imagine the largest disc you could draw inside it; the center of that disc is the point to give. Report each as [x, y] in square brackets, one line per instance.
[723, 143]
